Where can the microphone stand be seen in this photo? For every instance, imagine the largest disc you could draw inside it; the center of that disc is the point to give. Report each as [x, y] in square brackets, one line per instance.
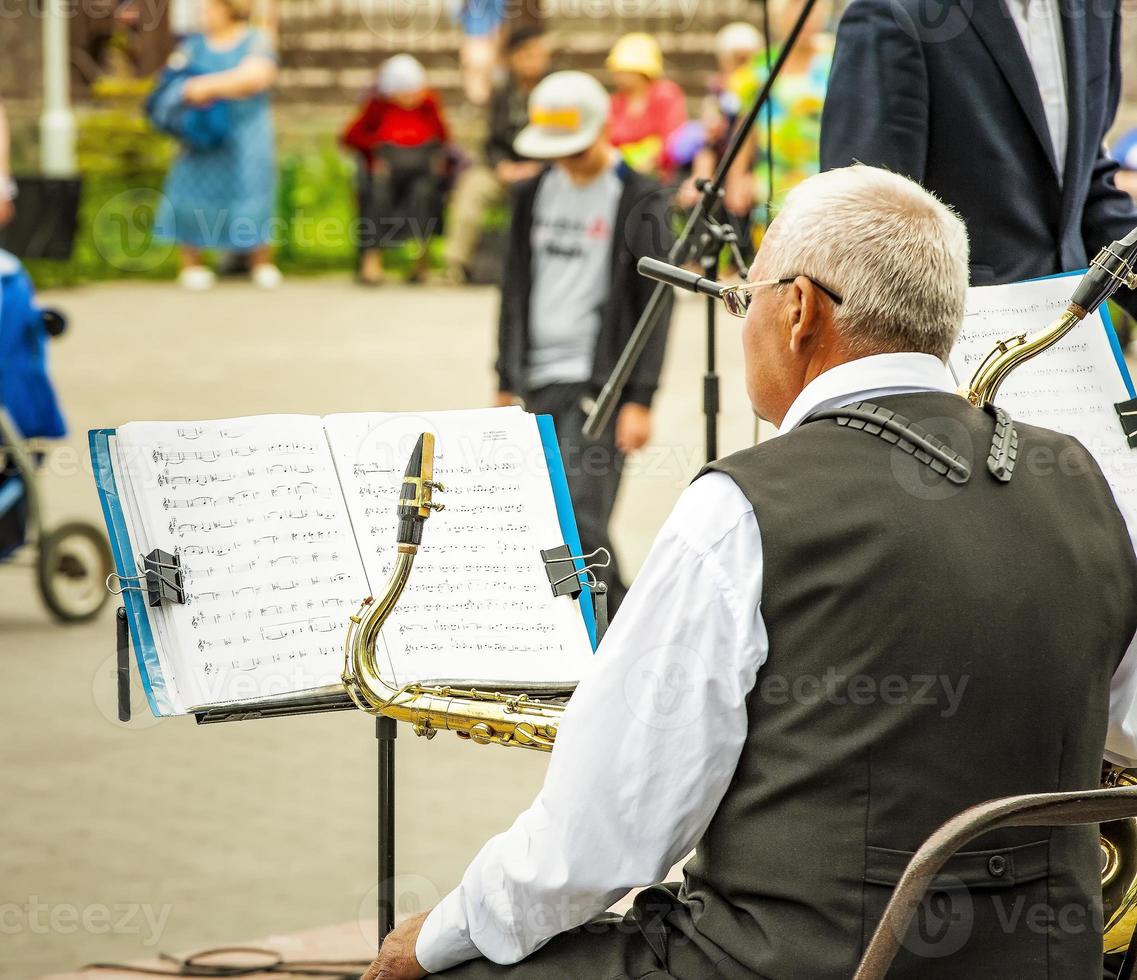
[712, 237]
[716, 236]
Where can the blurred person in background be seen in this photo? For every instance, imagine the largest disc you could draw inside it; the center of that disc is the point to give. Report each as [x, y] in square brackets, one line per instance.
[736, 46]
[766, 172]
[571, 296]
[481, 22]
[646, 107]
[401, 136]
[1125, 153]
[1001, 110]
[224, 198]
[481, 187]
[7, 184]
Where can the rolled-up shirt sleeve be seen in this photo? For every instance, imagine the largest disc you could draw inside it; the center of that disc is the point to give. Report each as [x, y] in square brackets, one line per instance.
[645, 751]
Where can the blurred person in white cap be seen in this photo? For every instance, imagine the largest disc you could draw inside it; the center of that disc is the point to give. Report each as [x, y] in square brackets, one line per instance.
[784, 147]
[646, 107]
[736, 46]
[401, 136]
[571, 296]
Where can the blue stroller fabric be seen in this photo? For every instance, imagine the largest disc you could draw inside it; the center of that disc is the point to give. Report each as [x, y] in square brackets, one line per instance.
[198, 127]
[26, 391]
[13, 512]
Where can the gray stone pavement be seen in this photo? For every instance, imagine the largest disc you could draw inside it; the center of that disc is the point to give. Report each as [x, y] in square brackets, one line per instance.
[119, 841]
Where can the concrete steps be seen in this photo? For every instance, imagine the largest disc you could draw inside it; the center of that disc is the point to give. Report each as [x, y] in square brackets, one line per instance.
[331, 49]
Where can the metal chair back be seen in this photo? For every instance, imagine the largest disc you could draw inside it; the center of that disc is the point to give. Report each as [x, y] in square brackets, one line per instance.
[1034, 810]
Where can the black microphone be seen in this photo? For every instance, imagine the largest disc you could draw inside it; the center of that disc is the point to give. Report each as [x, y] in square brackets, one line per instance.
[673, 275]
[1114, 266]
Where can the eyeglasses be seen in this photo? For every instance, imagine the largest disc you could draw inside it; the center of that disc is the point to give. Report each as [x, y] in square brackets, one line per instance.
[737, 298]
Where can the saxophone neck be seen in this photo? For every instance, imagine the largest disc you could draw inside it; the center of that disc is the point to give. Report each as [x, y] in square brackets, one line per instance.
[1009, 354]
[361, 675]
[1113, 267]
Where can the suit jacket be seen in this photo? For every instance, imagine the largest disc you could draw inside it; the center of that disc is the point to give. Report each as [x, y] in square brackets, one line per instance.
[944, 92]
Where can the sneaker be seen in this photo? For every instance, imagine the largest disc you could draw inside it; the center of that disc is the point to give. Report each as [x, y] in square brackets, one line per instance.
[265, 275]
[196, 278]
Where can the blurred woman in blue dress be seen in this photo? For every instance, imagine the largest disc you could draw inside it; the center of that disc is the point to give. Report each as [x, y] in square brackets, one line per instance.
[223, 198]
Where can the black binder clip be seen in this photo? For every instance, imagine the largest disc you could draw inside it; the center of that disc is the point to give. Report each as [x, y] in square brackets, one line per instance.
[564, 576]
[161, 579]
[1127, 413]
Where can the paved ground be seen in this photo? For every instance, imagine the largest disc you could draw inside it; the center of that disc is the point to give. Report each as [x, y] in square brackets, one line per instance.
[120, 841]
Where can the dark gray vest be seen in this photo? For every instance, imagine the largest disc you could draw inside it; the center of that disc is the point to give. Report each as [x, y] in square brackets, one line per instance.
[932, 645]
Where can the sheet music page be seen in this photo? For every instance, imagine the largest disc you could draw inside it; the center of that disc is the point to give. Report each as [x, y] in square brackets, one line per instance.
[1072, 387]
[478, 606]
[272, 571]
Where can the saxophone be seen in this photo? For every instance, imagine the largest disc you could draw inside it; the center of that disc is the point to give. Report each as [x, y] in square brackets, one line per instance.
[1113, 267]
[483, 717]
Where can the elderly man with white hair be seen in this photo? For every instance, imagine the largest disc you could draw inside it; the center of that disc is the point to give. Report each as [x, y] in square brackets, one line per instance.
[841, 638]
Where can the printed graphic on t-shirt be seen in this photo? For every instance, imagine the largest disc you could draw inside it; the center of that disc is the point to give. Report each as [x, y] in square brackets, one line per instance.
[571, 239]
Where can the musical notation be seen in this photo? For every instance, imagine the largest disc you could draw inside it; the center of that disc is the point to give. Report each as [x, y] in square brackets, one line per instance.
[479, 599]
[271, 566]
[1072, 387]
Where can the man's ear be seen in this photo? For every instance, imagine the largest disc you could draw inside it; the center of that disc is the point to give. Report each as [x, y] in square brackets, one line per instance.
[805, 314]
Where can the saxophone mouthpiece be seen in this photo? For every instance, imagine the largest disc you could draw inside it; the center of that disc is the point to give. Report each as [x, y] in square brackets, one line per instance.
[415, 503]
[1113, 267]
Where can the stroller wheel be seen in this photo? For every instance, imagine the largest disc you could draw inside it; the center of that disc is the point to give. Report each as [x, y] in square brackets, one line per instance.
[74, 562]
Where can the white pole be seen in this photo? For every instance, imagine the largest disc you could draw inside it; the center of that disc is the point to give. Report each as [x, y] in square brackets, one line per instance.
[57, 123]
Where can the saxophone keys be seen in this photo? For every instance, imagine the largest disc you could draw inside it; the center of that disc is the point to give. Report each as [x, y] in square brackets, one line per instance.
[481, 733]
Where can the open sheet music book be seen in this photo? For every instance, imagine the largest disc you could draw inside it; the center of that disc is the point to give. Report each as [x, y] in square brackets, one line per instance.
[284, 523]
[1072, 387]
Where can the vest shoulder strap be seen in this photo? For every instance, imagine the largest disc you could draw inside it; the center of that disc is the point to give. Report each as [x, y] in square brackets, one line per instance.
[903, 433]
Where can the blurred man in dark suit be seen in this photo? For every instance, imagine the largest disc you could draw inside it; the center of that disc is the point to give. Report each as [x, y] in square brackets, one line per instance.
[998, 106]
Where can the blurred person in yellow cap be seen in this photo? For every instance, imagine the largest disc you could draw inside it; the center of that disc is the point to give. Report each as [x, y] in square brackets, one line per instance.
[571, 296]
[646, 107]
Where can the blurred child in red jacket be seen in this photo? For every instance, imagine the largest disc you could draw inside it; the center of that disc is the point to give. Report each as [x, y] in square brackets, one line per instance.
[401, 136]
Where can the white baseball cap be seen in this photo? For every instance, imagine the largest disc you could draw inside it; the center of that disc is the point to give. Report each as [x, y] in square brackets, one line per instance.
[568, 111]
[401, 73]
[738, 36]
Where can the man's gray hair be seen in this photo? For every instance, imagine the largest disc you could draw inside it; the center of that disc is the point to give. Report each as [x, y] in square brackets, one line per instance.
[895, 253]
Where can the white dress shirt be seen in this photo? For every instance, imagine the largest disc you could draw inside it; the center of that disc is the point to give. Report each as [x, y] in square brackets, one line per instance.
[1039, 24]
[638, 771]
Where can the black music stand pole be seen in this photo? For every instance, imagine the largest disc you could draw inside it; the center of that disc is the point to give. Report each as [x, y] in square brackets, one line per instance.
[122, 663]
[385, 733]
